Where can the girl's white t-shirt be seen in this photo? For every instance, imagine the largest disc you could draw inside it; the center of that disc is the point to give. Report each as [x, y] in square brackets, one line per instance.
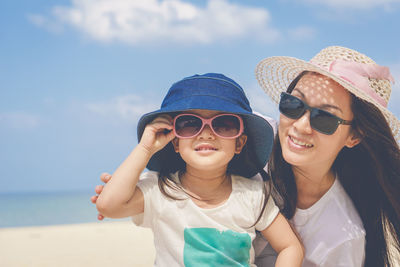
[187, 235]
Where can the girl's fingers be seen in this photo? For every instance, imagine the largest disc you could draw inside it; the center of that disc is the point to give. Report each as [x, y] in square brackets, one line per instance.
[157, 131]
[160, 126]
[163, 118]
[100, 217]
[157, 134]
[170, 136]
[162, 122]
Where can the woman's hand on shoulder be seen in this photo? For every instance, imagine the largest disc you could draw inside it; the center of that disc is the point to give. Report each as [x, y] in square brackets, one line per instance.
[157, 134]
[104, 177]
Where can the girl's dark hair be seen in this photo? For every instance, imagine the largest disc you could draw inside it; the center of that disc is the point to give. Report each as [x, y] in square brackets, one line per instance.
[247, 159]
[369, 173]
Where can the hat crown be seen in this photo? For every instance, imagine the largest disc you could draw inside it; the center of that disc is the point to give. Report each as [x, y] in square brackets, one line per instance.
[210, 84]
[330, 54]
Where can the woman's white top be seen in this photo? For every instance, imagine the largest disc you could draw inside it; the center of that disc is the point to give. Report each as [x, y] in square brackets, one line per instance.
[331, 231]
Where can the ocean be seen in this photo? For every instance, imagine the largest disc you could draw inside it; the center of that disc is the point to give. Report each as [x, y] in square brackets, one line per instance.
[37, 209]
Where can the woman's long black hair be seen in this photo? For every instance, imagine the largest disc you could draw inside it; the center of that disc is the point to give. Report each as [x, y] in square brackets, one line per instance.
[369, 173]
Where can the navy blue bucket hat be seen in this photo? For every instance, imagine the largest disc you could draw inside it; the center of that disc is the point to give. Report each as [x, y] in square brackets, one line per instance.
[217, 92]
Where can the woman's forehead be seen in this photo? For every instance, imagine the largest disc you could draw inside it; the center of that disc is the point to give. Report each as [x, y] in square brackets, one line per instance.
[316, 83]
[319, 88]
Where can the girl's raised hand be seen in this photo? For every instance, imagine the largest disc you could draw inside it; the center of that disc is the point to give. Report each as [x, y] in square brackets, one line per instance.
[157, 134]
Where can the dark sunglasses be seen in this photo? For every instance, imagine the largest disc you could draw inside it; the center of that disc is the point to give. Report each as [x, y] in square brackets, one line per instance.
[226, 126]
[320, 120]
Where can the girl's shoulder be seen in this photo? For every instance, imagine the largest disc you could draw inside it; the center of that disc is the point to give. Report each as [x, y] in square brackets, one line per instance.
[148, 181]
[149, 184]
[149, 176]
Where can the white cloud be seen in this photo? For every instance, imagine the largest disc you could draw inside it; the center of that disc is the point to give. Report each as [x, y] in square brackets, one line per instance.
[128, 107]
[355, 4]
[302, 33]
[19, 120]
[150, 21]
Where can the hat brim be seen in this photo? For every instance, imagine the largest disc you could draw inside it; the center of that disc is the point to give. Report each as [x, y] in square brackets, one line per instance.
[274, 75]
[259, 135]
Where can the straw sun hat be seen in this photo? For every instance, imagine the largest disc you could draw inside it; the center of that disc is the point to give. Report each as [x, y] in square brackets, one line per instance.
[356, 72]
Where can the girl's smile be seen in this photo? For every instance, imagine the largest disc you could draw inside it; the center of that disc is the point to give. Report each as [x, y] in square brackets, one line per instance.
[204, 147]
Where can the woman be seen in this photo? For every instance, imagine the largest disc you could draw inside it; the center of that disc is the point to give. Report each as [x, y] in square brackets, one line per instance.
[336, 162]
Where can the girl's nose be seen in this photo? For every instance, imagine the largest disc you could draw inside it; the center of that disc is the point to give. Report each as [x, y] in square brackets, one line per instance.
[302, 124]
[206, 133]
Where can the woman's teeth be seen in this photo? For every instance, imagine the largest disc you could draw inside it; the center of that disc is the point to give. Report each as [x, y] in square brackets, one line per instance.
[300, 143]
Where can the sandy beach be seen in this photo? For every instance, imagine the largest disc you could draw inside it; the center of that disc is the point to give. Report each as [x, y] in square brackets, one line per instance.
[92, 244]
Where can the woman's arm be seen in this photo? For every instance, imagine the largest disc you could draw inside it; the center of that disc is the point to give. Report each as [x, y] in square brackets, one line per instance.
[120, 197]
[285, 242]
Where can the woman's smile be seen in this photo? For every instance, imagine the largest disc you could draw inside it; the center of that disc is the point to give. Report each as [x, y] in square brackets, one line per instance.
[297, 143]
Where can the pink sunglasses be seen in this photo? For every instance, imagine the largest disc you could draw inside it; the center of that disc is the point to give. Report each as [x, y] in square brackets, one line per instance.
[228, 126]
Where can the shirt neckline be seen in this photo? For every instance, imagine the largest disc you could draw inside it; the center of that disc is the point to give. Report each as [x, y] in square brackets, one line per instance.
[189, 199]
[321, 201]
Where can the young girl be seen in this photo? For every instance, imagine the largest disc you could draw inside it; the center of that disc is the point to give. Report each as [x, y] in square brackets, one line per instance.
[201, 147]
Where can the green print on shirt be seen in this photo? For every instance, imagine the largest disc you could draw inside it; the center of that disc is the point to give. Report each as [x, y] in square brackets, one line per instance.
[211, 247]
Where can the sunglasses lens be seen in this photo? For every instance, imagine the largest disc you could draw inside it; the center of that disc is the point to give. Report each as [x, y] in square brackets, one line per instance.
[323, 121]
[226, 125]
[320, 120]
[187, 125]
[291, 106]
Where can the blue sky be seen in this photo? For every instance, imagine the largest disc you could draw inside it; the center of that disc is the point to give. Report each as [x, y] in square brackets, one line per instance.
[75, 76]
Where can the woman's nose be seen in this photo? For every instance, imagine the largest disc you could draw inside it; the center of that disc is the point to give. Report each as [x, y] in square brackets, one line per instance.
[302, 124]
